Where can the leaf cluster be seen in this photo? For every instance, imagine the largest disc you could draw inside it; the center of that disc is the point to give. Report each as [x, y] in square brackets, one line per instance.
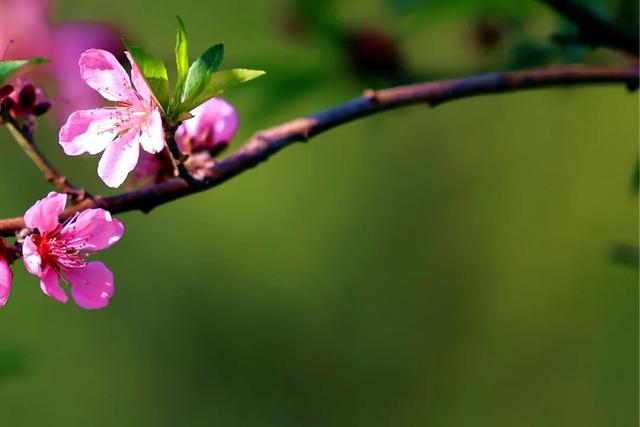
[196, 83]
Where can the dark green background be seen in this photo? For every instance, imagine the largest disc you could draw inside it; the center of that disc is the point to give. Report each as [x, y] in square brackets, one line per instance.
[441, 267]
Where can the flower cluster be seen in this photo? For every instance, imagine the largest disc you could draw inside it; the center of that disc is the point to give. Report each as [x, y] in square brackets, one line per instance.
[57, 252]
[132, 130]
[146, 131]
[210, 130]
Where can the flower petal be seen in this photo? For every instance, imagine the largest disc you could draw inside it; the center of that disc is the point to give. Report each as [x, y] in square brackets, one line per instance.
[102, 71]
[139, 82]
[92, 230]
[89, 131]
[31, 258]
[120, 157]
[44, 214]
[5, 281]
[91, 285]
[152, 135]
[50, 285]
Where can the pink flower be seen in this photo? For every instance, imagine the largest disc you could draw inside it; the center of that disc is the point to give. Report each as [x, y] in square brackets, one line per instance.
[120, 131]
[5, 281]
[212, 127]
[207, 133]
[5, 275]
[58, 251]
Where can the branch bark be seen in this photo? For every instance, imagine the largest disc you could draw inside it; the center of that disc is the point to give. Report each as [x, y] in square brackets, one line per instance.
[265, 143]
[597, 30]
[50, 173]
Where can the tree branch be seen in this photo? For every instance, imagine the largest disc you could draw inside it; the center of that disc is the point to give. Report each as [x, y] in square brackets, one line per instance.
[25, 142]
[267, 142]
[597, 30]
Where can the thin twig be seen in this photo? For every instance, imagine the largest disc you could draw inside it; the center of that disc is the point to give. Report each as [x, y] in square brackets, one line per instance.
[595, 29]
[178, 158]
[50, 173]
[267, 142]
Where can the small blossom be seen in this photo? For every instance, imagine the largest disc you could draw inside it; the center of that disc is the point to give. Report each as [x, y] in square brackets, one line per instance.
[212, 127]
[206, 134]
[58, 251]
[5, 274]
[120, 131]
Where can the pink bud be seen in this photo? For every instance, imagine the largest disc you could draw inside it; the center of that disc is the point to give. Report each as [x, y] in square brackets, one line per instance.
[212, 127]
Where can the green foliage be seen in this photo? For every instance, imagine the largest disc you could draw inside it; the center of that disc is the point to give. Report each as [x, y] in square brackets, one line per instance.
[8, 68]
[200, 71]
[182, 57]
[216, 83]
[196, 83]
[153, 70]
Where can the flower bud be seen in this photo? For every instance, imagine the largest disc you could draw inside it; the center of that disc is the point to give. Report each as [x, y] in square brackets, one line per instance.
[27, 96]
[5, 91]
[25, 102]
[212, 127]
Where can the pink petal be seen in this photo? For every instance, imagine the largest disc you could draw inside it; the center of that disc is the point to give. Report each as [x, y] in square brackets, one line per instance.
[139, 82]
[152, 135]
[5, 281]
[89, 131]
[50, 285]
[102, 71]
[92, 230]
[31, 257]
[44, 214]
[119, 159]
[226, 120]
[91, 285]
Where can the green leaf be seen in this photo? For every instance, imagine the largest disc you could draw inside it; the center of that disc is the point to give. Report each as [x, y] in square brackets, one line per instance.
[200, 72]
[182, 57]
[153, 70]
[7, 68]
[218, 83]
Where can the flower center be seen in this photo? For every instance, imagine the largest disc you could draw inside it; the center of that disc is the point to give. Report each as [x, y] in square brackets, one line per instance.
[56, 252]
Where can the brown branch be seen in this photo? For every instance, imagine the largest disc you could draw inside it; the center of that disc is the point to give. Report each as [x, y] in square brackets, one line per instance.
[595, 29]
[267, 142]
[25, 141]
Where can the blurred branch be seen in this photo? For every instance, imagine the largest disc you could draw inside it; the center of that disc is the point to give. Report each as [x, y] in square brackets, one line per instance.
[265, 143]
[25, 141]
[597, 30]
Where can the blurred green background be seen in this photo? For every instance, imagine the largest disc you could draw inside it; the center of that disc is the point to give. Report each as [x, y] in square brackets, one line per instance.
[442, 267]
